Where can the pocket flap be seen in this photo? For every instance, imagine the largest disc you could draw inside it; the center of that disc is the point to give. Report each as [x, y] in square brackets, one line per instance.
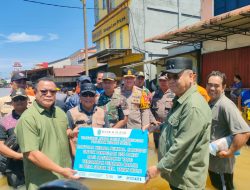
[173, 121]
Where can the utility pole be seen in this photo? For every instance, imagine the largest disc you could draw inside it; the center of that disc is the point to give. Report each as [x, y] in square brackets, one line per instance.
[85, 38]
[179, 13]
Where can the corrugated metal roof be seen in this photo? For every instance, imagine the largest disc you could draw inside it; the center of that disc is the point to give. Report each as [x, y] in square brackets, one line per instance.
[68, 71]
[216, 28]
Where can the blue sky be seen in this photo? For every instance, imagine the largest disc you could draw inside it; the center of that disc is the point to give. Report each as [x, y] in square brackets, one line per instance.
[33, 33]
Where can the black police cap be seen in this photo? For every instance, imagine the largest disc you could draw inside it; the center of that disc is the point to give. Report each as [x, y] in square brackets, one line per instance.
[178, 64]
[63, 184]
[18, 76]
[88, 87]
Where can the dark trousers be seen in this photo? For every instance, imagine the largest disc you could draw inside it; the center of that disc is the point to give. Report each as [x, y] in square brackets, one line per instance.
[174, 188]
[156, 139]
[221, 180]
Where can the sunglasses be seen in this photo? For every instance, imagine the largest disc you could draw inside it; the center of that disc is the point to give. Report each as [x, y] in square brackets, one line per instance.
[88, 94]
[19, 98]
[45, 92]
[21, 81]
[174, 76]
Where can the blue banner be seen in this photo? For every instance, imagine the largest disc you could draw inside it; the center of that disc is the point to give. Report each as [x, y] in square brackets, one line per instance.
[112, 154]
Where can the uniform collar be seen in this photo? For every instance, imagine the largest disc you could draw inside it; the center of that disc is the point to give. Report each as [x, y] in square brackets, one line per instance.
[212, 103]
[41, 109]
[81, 109]
[15, 115]
[107, 95]
[190, 91]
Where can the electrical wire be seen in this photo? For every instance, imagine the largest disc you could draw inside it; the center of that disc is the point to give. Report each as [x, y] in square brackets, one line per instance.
[56, 5]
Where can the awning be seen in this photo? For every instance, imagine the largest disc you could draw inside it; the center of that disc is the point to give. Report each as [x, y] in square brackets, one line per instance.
[109, 54]
[216, 28]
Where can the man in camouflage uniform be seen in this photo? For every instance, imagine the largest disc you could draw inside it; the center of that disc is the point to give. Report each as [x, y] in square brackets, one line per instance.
[140, 82]
[138, 102]
[18, 80]
[161, 103]
[113, 102]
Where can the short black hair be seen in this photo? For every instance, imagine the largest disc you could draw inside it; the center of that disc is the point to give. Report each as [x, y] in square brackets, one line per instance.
[219, 74]
[44, 79]
[237, 76]
[99, 72]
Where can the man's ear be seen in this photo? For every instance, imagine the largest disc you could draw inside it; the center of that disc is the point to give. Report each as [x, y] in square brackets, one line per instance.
[224, 86]
[194, 76]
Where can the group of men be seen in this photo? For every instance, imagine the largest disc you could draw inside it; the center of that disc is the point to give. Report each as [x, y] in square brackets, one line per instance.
[182, 120]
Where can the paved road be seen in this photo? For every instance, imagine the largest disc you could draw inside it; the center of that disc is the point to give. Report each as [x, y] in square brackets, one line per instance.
[4, 91]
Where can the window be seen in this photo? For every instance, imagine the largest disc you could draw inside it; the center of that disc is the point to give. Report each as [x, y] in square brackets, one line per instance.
[104, 4]
[223, 6]
[96, 11]
[113, 40]
[98, 46]
[121, 39]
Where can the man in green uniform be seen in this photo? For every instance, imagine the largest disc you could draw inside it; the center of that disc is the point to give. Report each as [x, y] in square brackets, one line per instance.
[41, 134]
[184, 140]
[113, 103]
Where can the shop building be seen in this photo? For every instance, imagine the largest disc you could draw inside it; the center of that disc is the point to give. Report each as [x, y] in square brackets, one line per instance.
[121, 27]
[224, 38]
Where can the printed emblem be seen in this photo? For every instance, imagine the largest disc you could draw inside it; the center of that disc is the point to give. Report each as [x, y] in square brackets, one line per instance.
[99, 132]
[21, 74]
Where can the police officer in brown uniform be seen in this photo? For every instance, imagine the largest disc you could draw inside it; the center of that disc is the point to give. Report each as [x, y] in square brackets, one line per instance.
[18, 80]
[161, 103]
[86, 114]
[137, 102]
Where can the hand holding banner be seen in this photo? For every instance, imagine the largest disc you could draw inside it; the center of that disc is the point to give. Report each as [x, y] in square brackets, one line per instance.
[113, 154]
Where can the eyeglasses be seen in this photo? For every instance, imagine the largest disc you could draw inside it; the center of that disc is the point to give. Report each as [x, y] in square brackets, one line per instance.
[88, 94]
[19, 98]
[45, 92]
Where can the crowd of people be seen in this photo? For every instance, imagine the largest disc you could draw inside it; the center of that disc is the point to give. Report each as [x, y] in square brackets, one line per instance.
[183, 117]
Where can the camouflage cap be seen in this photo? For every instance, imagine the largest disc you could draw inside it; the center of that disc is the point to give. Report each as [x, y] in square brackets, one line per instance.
[140, 74]
[18, 92]
[109, 76]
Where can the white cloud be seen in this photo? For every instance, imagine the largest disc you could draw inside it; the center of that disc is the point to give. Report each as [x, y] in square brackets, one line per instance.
[53, 36]
[23, 37]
